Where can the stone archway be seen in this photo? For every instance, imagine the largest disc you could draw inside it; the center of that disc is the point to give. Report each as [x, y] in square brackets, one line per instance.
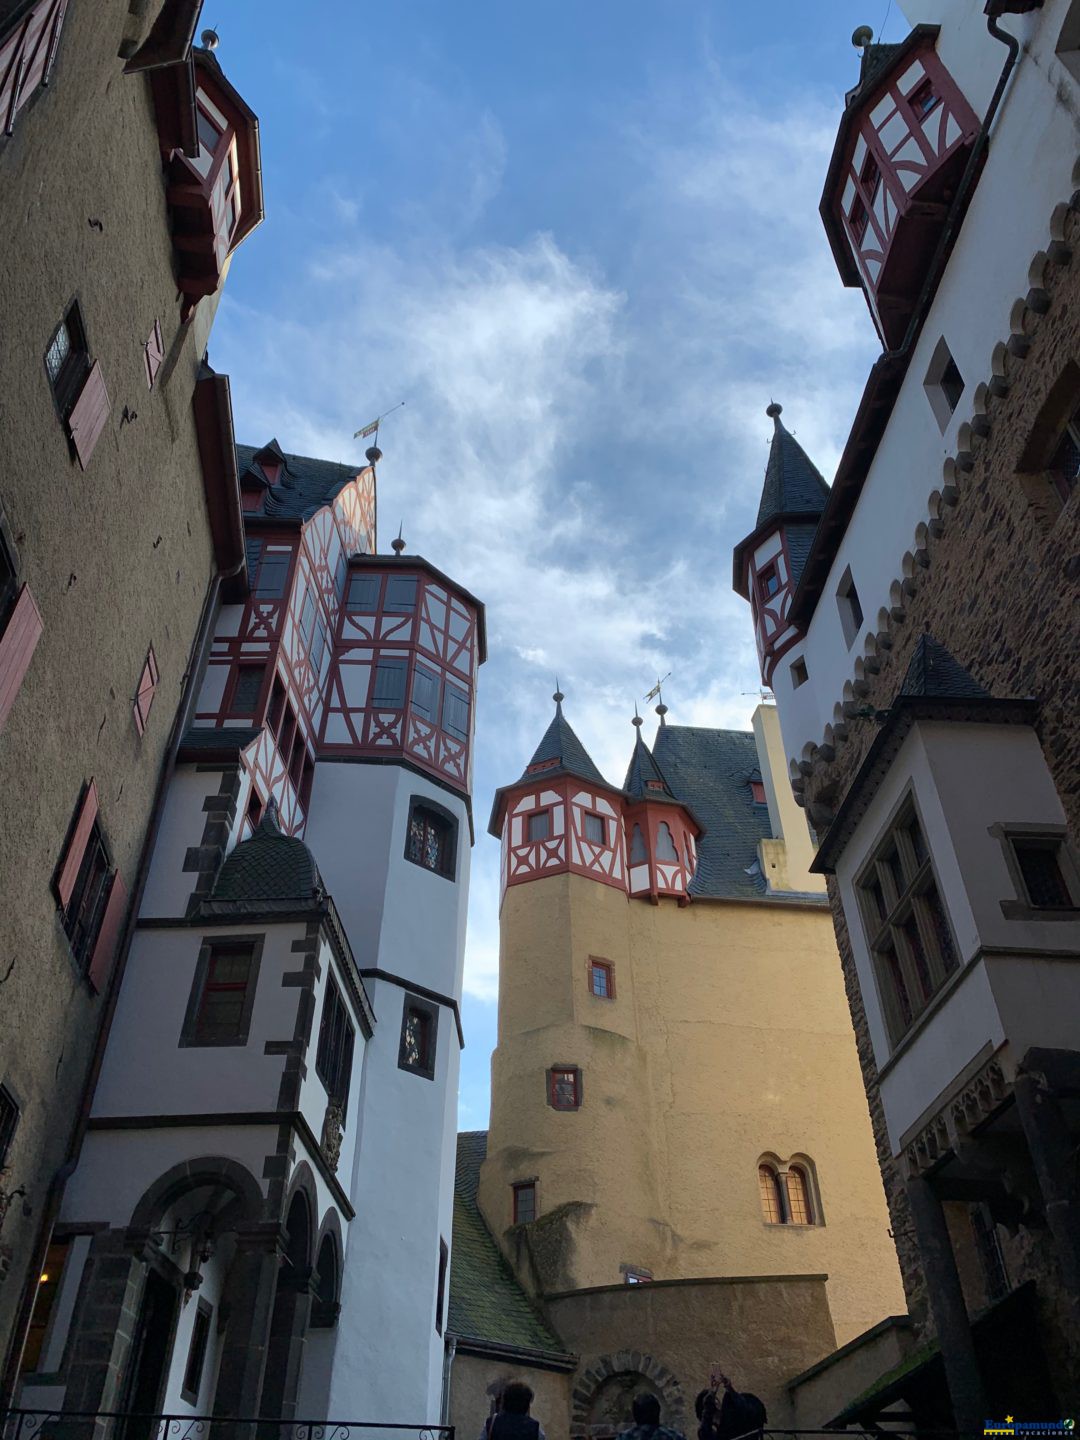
[604, 1390]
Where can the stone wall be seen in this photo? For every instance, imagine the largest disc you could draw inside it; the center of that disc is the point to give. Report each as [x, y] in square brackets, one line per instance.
[998, 584]
[118, 558]
[476, 1379]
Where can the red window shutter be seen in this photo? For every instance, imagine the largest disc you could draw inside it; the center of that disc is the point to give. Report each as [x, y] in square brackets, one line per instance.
[17, 645]
[112, 922]
[87, 419]
[26, 58]
[69, 869]
[144, 696]
[155, 354]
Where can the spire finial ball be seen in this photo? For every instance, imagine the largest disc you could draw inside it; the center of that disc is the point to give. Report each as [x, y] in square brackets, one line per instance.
[773, 410]
[637, 722]
[373, 455]
[397, 545]
[558, 697]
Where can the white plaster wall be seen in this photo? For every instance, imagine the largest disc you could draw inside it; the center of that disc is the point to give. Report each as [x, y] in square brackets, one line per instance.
[213, 1279]
[116, 1167]
[168, 885]
[402, 1188]
[990, 775]
[147, 1072]
[398, 916]
[1031, 154]
[1039, 1000]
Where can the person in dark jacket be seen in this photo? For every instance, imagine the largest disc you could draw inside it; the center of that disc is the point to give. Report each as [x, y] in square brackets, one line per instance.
[513, 1421]
[732, 1415]
[646, 1426]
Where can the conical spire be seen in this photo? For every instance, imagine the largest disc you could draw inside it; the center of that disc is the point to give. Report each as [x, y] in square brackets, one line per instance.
[562, 746]
[644, 778]
[793, 483]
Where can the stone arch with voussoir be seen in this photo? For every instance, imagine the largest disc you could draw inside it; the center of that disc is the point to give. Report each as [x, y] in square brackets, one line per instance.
[638, 1372]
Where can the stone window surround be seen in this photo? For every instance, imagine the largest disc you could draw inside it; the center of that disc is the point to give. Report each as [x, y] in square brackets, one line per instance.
[440, 812]
[906, 800]
[1018, 907]
[431, 1011]
[202, 970]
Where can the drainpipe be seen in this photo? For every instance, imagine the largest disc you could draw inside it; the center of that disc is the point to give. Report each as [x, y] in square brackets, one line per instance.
[449, 1351]
[55, 1193]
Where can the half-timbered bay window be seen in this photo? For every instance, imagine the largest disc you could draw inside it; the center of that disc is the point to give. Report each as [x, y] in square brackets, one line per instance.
[905, 921]
[429, 841]
[333, 1059]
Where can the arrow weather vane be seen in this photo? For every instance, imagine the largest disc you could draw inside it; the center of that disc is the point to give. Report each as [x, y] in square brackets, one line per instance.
[373, 428]
[654, 693]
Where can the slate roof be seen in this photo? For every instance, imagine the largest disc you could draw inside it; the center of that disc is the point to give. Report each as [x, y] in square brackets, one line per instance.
[561, 744]
[269, 866]
[793, 483]
[304, 485]
[932, 672]
[643, 767]
[486, 1302]
[200, 738]
[710, 771]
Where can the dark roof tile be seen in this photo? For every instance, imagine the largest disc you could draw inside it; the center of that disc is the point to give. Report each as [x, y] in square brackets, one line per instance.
[268, 866]
[793, 483]
[304, 485]
[563, 746]
[932, 672]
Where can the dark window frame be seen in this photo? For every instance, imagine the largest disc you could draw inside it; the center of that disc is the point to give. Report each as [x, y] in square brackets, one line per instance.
[66, 384]
[82, 916]
[334, 1058]
[607, 969]
[190, 1036]
[530, 838]
[277, 559]
[440, 1296]
[770, 572]
[436, 819]
[454, 694]
[358, 579]
[852, 616]
[246, 668]
[555, 1077]
[400, 607]
[9, 1122]
[394, 664]
[905, 921]
[800, 672]
[430, 713]
[429, 1012]
[520, 1190]
[198, 1348]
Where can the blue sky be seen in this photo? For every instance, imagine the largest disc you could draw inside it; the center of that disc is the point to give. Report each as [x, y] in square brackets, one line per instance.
[580, 239]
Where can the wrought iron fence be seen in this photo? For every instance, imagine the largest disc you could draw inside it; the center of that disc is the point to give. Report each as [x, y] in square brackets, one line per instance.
[121, 1425]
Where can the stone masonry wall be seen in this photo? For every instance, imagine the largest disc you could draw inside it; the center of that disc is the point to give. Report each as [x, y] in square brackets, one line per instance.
[998, 583]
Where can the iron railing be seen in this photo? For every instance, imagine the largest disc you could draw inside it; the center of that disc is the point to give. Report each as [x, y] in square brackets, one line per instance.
[20, 1424]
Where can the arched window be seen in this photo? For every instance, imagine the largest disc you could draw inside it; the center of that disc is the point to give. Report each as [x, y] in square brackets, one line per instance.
[324, 1304]
[800, 1205]
[772, 1205]
[638, 854]
[665, 845]
[429, 841]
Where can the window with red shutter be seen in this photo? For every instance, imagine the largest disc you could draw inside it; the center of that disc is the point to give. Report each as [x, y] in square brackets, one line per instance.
[108, 936]
[89, 413]
[154, 354]
[27, 54]
[17, 644]
[91, 905]
[144, 696]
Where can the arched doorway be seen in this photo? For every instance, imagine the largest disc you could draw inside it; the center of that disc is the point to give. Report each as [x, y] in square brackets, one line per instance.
[290, 1316]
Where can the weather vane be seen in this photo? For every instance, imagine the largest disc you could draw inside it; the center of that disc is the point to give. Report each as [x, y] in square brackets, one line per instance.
[373, 428]
[654, 693]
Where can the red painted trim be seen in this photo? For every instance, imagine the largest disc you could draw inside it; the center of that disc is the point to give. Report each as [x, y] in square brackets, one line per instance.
[112, 922]
[153, 354]
[144, 696]
[88, 416]
[76, 846]
[559, 1071]
[211, 404]
[26, 58]
[17, 645]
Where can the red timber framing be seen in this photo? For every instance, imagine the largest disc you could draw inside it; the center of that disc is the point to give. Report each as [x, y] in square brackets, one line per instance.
[209, 139]
[662, 856]
[561, 838]
[771, 588]
[283, 625]
[897, 160]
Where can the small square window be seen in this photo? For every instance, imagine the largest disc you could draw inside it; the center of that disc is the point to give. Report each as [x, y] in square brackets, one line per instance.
[944, 385]
[769, 582]
[400, 594]
[363, 596]
[388, 689]
[219, 1011]
[419, 1032]
[850, 607]
[524, 1202]
[799, 673]
[564, 1087]
[1041, 871]
[429, 841]
[67, 360]
[923, 99]
[602, 979]
[538, 826]
[247, 687]
[595, 830]
[455, 712]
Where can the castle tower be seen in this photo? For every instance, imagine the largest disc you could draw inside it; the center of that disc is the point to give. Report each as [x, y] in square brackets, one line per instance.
[676, 1097]
[769, 562]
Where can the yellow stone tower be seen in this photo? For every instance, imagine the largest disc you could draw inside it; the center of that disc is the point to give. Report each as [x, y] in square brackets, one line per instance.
[675, 1090]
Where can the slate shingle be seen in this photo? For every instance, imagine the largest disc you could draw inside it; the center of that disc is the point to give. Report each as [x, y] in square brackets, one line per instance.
[561, 744]
[268, 866]
[793, 484]
[304, 485]
[934, 673]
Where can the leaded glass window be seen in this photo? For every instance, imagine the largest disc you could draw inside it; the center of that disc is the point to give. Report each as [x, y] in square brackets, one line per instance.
[430, 840]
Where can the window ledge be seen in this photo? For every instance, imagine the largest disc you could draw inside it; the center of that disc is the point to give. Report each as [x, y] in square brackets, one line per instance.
[1019, 910]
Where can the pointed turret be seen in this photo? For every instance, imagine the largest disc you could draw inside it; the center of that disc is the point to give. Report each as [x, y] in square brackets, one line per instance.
[661, 831]
[644, 778]
[769, 562]
[560, 814]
